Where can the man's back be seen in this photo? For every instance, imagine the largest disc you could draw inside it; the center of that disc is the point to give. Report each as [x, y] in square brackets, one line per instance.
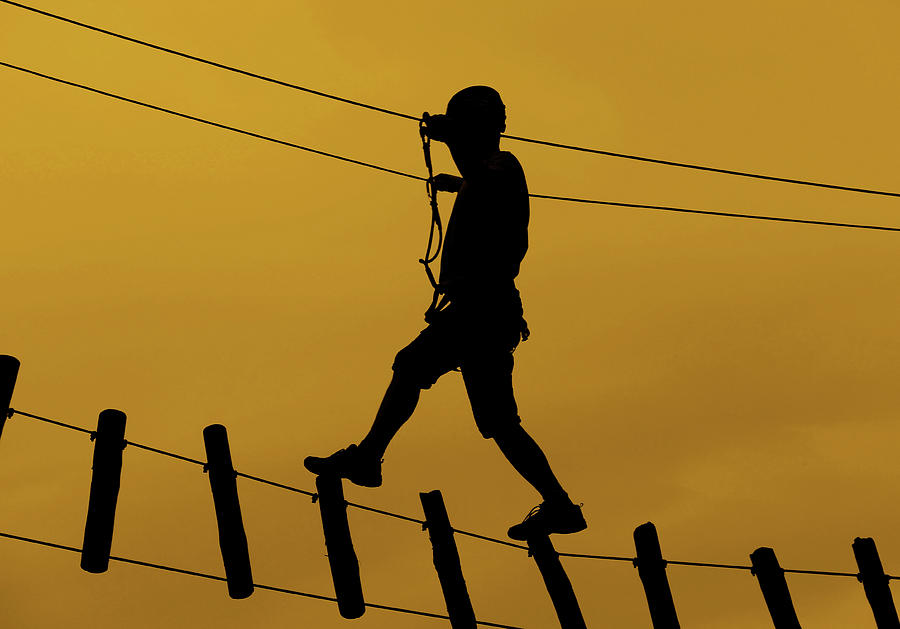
[487, 234]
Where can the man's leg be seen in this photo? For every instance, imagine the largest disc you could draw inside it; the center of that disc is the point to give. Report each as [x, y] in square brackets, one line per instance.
[529, 460]
[557, 513]
[488, 381]
[416, 367]
[362, 464]
[396, 408]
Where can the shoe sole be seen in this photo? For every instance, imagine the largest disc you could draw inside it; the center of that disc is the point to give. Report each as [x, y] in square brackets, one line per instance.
[364, 482]
[560, 530]
[570, 529]
[311, 466]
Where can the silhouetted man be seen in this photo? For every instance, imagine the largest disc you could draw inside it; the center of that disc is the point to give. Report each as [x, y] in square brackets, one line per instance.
[477, 331]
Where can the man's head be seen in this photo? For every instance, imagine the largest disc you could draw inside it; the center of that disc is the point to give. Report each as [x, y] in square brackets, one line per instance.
[475, 118]
[478, 111]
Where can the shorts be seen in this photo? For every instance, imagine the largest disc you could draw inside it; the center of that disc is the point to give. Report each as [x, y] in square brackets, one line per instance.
[480, 344]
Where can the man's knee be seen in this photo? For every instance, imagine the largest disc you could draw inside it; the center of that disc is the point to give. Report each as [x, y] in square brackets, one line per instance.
[406, 379]
[500, 428]
[409, 371]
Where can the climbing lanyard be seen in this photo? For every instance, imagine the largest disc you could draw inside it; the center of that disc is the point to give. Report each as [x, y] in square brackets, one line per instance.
[437, 301]
[439, 298]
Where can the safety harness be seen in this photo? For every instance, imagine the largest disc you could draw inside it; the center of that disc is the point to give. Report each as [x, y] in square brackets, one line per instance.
[439, 299]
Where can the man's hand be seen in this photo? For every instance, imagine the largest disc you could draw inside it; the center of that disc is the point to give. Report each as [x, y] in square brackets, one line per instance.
[447, 183]
[438, 127]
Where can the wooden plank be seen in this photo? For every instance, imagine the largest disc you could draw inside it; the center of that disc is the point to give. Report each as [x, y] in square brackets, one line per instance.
[774, 588]
[875, 583]
[232, 538]
[447, 562]
[557, 582]
[109, 441]
[339, 546]
[9, 370]
[652, 571]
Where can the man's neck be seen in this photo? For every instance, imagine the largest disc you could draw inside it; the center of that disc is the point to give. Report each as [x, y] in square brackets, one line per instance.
[471, 162]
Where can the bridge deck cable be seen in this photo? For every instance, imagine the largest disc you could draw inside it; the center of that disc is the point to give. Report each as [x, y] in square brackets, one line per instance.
[164, 453]
[702, 564]
[424, 179]
[601, 557]
[272, 588]
[47, 420]
[829, 573]
[265, 481]
[407, 518]
[392, 112]
[490, 539]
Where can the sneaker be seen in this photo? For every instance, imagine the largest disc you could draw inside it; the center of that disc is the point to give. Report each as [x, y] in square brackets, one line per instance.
[347, 463]
[547, 518]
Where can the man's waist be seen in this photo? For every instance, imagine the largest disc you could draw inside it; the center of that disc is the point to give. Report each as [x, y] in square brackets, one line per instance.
[497, 294]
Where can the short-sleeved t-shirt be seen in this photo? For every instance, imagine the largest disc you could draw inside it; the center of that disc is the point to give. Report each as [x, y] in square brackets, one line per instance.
[487, 234]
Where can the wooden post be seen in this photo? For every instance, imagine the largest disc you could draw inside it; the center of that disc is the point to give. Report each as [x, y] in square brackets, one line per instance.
[9, 369]
[109, 440]
[446, 561]
[652, 571]
[774, 588]
[232, 538]
[875, 583]
[339, 546]
[557, 582]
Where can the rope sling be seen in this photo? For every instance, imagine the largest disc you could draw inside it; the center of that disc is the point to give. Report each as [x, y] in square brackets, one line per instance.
[439, 298]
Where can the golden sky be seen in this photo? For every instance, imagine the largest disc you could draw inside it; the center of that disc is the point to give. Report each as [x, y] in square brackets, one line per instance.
[733, 381]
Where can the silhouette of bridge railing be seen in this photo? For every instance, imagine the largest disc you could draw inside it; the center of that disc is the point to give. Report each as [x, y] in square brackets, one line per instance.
[109, 443]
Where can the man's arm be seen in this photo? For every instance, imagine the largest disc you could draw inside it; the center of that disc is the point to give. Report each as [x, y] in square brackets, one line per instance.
[447, 183]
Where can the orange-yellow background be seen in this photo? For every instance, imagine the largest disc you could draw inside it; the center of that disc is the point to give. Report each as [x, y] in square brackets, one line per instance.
[733, 381]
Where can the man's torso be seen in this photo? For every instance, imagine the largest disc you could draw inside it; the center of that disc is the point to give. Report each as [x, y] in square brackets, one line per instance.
[487, 234]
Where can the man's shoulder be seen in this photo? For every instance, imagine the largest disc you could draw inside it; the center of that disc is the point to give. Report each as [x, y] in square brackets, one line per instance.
[504, 161]
[505, 169]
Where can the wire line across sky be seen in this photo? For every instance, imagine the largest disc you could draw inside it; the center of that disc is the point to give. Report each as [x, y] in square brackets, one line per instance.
[663, 208]
[272, 588]
[421, 522]
[391, 112]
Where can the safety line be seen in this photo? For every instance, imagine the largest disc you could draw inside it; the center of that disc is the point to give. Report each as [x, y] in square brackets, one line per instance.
[214, 577]
[211, 123]
[210, 62]
[398, 114]
[418, 178]
[725, 171]
[758, 217]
